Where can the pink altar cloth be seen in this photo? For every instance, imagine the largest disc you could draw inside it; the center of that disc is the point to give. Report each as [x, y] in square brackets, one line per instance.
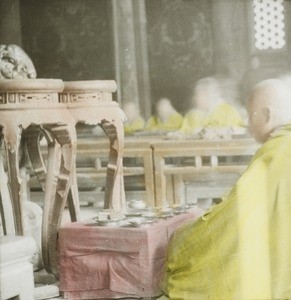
[101, 262]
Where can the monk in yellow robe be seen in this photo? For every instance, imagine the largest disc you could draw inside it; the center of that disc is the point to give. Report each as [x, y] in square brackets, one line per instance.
[223, 115]
[194, 119]
[166, 118]
[134, 121]
[210, 110]
[241, 248]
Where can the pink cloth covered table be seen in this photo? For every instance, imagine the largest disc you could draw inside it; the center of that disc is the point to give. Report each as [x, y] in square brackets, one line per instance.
[102, 262]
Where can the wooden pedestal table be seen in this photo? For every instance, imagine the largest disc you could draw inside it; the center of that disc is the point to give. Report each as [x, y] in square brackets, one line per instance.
[90, 102]
[29, 108]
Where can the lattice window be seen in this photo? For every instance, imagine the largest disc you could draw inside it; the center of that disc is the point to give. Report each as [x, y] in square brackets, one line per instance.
[269, 24]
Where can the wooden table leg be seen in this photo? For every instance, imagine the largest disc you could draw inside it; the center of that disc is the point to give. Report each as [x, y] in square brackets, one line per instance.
[178, 189]
[6, 210]
[73, 194]
[14, 179]
[61, 158]
[114, 191]
[160, 180]
[73, 197]
[170, 195]
[149, 177]
[32, 138]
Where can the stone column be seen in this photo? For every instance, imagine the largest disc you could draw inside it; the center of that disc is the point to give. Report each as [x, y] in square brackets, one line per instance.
[130, 49]
[10, 22]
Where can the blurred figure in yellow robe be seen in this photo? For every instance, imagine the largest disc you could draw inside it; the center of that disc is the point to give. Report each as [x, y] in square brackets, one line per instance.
[223, 115]
[241, 248]
[166, 118]
[134, 121]
[209, 109]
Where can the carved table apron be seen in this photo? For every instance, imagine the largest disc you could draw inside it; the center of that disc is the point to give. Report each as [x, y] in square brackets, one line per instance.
[28, 109]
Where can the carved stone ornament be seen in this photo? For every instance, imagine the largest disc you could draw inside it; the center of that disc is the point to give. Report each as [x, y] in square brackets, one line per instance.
[15, 63]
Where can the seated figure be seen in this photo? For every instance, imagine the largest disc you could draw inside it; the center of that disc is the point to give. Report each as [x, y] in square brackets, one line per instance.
[209, 109]
[166, 118]
[241, 248]
[134, 121]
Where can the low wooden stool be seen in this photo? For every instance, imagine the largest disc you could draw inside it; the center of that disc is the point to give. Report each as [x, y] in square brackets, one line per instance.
[16, 275]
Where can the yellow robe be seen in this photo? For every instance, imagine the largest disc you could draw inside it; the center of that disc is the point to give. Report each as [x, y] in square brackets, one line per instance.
[224, 115]
[174, 122]
[136, 125]
[241, 248]
[193, 119]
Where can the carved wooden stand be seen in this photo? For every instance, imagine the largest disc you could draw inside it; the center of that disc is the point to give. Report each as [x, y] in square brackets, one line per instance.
[28, 109]
[90, 102]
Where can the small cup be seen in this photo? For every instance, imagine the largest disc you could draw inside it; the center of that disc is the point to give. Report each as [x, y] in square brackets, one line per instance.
[137, 204]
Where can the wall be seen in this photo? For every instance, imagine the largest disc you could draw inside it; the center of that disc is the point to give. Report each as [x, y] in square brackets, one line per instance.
[10, 23]
[187, 40]
[69, 39]
[180, 47]
[264, 64]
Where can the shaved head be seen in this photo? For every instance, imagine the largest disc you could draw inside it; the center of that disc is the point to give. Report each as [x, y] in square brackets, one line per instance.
[131, 111]
[164, 108]
[207, 92]
[269, 106]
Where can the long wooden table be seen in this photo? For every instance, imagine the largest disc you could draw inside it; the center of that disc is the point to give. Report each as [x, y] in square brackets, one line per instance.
[215, 165]
[212, 167]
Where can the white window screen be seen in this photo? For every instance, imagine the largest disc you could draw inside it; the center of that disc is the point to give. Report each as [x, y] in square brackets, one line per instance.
[269, 24]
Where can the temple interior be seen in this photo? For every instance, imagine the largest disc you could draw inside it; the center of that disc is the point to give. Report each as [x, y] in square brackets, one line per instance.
[121, 120]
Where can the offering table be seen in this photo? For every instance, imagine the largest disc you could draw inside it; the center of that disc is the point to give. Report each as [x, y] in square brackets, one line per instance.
[99, 262]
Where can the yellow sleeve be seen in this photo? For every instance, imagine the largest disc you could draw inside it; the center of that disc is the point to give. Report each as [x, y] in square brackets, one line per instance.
[137, 125]
[152, 124]
[192, 121]
[224, 115]
[173, 123]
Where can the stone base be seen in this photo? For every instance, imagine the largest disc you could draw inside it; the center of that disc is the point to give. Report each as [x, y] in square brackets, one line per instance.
[16, 276]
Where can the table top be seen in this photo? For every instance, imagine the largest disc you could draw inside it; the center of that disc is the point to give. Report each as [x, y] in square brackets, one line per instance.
[88, 234]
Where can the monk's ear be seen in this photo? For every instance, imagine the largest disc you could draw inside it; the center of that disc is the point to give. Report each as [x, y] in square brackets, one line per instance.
[267, 114]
